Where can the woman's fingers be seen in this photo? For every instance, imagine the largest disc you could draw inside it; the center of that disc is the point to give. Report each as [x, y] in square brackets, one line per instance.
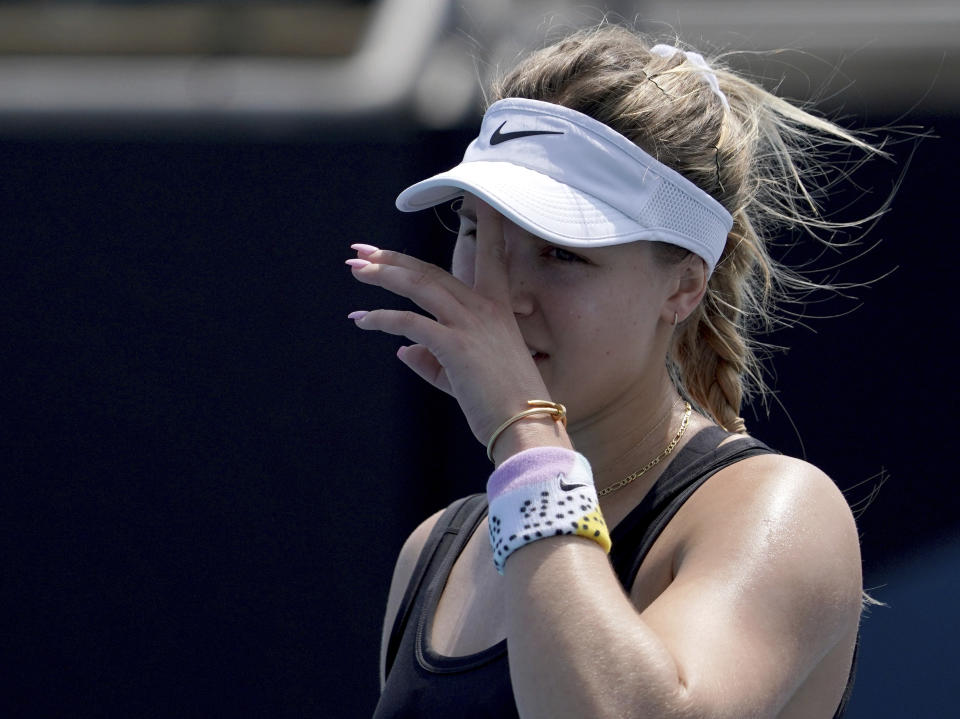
[424, 285]
[473, 350]
[422, 361]
[417, 357]
[430, 287]
[490, 272]
[402, 323]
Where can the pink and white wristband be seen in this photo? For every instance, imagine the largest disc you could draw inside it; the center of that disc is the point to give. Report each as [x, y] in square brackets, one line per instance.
[539, 493]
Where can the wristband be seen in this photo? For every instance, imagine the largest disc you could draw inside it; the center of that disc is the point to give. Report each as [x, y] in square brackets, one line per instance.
[540, 493]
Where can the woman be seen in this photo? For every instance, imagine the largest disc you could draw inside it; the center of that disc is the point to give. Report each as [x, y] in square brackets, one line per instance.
[611, 258]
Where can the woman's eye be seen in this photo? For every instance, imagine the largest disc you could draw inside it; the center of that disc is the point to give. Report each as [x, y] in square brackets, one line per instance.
[562, 255]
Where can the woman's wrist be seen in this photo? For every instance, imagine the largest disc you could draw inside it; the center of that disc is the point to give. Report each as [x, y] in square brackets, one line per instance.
[541, 493]
[531, 432]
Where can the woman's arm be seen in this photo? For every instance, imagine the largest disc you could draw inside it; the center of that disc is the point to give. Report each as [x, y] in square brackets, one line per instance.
[767, 580]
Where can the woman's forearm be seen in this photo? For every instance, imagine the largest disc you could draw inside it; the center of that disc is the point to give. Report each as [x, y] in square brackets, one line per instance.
[578, 647]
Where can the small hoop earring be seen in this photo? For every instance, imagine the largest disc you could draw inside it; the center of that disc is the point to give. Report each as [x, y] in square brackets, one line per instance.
[675, 319]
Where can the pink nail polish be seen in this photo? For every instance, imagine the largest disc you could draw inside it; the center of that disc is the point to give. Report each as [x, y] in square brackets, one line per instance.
[364, 249]
[357, 315]
[358, 263]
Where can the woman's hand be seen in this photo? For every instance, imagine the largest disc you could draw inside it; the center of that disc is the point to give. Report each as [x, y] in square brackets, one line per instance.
[472, 348]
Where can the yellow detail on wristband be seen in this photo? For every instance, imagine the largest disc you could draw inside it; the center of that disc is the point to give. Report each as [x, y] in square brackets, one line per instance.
[593, 527]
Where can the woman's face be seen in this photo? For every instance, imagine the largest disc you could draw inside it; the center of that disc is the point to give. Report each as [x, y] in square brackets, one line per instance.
[590, 316]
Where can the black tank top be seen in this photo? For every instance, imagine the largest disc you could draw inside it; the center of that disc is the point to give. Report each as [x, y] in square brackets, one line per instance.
[422, 684]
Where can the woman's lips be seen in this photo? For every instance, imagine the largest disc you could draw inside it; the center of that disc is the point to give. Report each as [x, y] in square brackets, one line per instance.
[538, 356]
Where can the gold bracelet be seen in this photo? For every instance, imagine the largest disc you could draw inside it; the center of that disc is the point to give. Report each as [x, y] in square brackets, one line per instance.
[537, 406]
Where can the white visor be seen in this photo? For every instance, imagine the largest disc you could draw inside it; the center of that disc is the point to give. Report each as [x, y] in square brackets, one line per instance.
[575, 182]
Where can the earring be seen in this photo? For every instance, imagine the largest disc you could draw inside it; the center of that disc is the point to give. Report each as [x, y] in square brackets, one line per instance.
[675, 319]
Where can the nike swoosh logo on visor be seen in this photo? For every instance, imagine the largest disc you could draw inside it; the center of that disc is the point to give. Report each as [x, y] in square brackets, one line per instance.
[497, 137]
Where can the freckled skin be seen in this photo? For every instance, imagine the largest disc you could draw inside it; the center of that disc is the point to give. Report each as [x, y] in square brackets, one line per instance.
[596, 318]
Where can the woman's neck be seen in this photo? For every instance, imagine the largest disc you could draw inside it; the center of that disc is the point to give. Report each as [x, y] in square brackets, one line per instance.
[625, 437]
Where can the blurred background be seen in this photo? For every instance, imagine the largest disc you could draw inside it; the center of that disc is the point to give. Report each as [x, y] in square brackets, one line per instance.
[207, 472]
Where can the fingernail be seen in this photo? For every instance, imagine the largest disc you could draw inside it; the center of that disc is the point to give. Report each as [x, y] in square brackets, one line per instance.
[358, 263]
[364, 249]
[357, 315]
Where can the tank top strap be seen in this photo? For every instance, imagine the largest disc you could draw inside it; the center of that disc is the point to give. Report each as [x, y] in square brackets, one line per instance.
[441, 549]
[700, 459]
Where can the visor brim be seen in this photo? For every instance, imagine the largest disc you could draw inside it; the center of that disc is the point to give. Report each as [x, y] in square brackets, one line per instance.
[541, 205]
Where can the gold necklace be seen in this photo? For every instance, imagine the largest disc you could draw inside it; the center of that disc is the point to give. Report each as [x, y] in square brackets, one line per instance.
[656, 460]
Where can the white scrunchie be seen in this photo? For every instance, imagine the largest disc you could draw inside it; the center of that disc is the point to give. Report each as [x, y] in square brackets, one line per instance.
[697, 59]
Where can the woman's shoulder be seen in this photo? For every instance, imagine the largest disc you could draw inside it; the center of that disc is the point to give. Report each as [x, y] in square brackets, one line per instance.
[783, 515]
[766, 469]
[751, 472]
[772, 486]
[771, 481]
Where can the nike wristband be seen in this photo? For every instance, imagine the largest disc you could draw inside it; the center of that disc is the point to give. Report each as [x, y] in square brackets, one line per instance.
[540, 493]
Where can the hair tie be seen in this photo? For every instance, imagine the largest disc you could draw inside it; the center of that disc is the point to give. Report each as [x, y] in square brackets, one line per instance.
[697, 59]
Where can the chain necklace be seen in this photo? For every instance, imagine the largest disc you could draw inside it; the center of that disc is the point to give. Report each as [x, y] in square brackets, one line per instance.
[656, 460]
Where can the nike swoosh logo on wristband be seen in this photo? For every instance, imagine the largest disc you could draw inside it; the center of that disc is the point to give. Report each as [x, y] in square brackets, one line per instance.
[497, 137]
[567, 487]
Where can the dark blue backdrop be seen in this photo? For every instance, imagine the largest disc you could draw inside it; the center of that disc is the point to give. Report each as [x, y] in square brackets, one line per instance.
[208, 472]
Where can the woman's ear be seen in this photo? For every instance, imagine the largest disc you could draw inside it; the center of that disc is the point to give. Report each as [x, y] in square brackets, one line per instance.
[688, 289]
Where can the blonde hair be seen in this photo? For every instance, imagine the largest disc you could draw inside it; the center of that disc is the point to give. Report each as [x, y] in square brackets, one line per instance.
[763, 159]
